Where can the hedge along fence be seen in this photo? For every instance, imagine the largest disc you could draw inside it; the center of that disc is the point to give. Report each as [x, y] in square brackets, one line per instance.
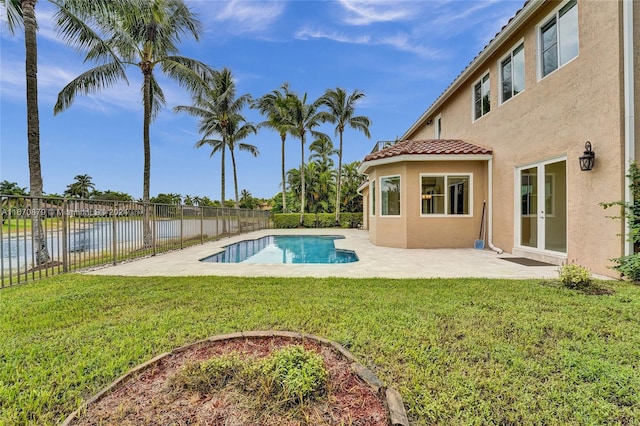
[317, 220]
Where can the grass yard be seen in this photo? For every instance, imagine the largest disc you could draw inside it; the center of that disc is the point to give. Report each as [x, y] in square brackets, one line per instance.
[460, 351]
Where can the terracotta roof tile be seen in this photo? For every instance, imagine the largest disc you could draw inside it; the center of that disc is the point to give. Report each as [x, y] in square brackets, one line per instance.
[428, 147]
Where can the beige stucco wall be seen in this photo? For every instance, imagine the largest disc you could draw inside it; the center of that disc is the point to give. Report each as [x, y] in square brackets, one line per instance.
[414, 230]
[553, 118]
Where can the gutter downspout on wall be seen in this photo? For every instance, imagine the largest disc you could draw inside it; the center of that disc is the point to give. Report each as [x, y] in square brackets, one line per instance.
[490, 215]
[629, 107]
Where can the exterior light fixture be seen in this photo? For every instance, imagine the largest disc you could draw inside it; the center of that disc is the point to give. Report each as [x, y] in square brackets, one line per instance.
[587, 159]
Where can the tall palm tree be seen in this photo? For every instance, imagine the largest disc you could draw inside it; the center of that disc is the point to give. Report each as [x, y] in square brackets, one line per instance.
[237, 130]
[22, 13]
[216, 105]
[341, 110]
[141, 33]
[304, 118]
[275, 106]
[81, 187]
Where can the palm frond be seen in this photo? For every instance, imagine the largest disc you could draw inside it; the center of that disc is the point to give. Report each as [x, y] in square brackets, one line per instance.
[14, 14]
[191, 74]
[88, 82]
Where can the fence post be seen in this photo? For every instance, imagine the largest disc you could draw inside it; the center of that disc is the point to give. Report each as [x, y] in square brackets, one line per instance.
[181, 226]
[201, 225]
[153, 228]
[114, 236]
[65, 224]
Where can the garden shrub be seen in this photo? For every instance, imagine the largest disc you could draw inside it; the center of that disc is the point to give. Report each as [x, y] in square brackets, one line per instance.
[296, 374]
[319, 220]
[575, 276]
[629, 266]
[208, 375]
[286, 220]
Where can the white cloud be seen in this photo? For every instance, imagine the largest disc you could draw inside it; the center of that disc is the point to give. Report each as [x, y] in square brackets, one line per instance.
[365, 12]
[240, 16]
[399, 41]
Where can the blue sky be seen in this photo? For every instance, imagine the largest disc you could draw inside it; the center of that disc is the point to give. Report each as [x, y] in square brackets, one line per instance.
[401, 54]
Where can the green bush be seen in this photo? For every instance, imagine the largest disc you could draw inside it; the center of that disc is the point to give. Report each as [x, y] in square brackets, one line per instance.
[296, 374]
[208, 375]
[320, 220]
[575, 276]
[286, 220]
[629, 266]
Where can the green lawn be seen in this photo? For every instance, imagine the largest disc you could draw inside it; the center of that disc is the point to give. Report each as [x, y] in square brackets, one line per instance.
[459, 351]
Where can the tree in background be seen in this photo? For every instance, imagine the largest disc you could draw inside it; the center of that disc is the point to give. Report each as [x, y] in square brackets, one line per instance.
[341, 112]
[351, 200]
[140, 33]
[216, 105]
[304, 118]
[237, 130]
[81, 188]
[275, 106]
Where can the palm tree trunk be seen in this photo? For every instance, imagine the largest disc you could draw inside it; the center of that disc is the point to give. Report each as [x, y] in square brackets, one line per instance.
[147, 236]
[284, 192]
[338, 190]
[33, 129]
[235, 178]
[302, 192]
[222, 180]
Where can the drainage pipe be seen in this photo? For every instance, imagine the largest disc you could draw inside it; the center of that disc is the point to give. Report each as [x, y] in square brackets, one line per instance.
[490, 214]
[629, 108]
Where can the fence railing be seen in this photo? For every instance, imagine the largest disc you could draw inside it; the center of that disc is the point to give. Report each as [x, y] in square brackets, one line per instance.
[46, 236]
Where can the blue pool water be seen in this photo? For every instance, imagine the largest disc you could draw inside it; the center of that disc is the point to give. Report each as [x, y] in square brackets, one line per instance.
[285, 249]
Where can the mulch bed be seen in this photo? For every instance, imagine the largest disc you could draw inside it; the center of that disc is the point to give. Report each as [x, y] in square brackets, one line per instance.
[147, 399]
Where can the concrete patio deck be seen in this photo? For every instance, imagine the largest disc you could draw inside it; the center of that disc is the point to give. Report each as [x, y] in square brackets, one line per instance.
[383, 262]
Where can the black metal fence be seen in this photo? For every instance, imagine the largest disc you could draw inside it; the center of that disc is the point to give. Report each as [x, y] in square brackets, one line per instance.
[45, 236]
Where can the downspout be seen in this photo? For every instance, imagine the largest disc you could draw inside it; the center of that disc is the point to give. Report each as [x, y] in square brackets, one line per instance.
[629, 107]
[490, 214]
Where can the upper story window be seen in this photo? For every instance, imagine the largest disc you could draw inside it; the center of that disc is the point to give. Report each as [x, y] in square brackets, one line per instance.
[390, 196]
[559, 38]
[481, 104]
[512, 73]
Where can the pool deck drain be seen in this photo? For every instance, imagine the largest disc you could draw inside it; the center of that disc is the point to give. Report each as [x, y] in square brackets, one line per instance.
[375, 261]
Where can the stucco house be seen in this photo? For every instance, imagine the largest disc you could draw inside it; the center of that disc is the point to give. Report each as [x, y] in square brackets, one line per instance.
[507, 136]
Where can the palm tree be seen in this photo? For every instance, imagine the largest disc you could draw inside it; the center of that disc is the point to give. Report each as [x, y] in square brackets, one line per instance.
[321, 151]
[22, 13]
[81, 187]
[215, 104]
[140, 33]
[237, 130]
[341, 110]
[275, 106]
[304, 117]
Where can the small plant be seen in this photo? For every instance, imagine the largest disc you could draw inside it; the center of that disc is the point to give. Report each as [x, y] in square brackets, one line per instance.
[296, 374]
[208, 375]
[575, 276]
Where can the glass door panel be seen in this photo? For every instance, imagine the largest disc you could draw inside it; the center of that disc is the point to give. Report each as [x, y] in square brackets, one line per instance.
[555, 212]
[529, 207]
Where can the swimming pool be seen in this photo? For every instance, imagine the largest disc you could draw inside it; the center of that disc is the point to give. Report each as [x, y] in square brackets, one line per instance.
[285, 249]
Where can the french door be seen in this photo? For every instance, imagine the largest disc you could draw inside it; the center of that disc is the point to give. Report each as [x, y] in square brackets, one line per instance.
[542, 205]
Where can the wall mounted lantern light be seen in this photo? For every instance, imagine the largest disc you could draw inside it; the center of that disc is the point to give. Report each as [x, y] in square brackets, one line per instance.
[587, 159]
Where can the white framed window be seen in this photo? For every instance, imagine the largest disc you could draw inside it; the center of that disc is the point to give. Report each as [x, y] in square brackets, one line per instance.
[438, 126]
[390, 195]
[372, 191]
[446, 194]
[558, 38]
[481, 92]
[512, 73]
